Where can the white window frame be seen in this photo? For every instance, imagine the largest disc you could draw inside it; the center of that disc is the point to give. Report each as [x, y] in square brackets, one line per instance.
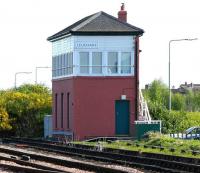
[76, 64]
[104, 63]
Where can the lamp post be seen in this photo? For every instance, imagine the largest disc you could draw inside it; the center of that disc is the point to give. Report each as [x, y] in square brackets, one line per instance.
[36, 72]
[18, 74]
[186, 39]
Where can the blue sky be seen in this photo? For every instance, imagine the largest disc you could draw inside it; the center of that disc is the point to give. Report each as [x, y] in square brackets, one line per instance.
[25, 25]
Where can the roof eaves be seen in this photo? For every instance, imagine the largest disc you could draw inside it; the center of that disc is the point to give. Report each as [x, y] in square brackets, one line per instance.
[68, 29]
[106, 33]
[60, 37]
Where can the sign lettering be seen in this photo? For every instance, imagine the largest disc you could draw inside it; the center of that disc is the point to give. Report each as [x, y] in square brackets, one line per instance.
[86, 45]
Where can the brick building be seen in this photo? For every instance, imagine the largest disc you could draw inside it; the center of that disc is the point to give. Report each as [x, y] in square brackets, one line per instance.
[95, 76]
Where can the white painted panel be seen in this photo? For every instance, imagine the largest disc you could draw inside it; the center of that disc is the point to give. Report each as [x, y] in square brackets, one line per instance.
[107, 43]
[63, 45]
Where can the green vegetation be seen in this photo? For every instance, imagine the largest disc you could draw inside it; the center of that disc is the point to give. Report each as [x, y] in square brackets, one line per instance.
[22, 110]
[181, 117]
[4, 120]
[156, 143]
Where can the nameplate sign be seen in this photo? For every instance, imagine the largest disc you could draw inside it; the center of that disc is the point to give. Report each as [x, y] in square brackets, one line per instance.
[86, 45]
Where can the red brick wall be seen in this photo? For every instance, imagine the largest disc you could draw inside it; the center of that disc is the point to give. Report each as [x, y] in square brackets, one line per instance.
[92, 103]
[63, 86]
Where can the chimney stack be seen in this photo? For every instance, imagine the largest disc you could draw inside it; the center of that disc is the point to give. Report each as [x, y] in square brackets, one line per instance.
[122, 15]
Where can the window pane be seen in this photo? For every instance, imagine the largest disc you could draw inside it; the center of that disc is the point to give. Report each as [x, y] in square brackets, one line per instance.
[96, 62]
[62, 64]
[59, 65]
[126, 62]
[112, 62]
[65, 64]
[54, 66]
[70, 63]
[84, 62]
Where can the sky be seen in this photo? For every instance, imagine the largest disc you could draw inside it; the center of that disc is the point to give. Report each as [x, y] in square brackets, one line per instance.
[26, 24]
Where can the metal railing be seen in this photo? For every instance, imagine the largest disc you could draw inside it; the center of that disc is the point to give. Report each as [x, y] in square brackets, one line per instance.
[143, 109]
[185, 135]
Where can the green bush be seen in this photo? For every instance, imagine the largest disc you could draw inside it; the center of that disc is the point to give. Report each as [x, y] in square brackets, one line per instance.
[180, 117]
[26, 106]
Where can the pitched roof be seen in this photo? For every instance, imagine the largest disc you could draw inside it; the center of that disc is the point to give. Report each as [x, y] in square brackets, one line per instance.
[99, 23]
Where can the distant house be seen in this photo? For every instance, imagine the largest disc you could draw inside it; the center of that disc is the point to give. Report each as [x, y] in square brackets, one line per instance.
[184, 88]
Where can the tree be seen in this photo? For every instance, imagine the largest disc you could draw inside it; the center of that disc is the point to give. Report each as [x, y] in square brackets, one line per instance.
[27, 106]
[196, 101]
[38, 89]
[189, 101]
[178, 102]
[157, 93]
[4, 120]
[157, 97]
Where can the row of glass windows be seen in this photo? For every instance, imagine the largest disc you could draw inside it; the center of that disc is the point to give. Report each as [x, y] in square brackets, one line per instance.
[114, 63]
[93, 63]
[62, 64]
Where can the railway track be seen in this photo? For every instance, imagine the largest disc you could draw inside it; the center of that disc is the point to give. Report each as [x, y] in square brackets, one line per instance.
[133, 159]
[55, 161]
[24, 166]
[25, 169]
[117, 151]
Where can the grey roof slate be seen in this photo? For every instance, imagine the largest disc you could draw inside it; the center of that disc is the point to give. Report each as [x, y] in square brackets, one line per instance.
[99, 23]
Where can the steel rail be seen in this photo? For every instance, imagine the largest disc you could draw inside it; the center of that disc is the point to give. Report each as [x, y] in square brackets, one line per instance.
[119, 151]
[130, 160]
[31, 164]
[62, 162]
[26, 169]
[125, 152]
[130, 164]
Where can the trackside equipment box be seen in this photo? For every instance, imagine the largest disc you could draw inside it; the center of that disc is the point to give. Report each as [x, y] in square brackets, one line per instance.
[142, 127]
[47, 126]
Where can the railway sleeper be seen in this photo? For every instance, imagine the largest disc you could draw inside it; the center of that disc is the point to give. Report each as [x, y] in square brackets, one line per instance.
[71, 164]
[122, 157]
[33, 165]
[26, 169]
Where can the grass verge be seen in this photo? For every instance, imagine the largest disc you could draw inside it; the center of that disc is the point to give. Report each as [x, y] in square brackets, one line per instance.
[156, 143]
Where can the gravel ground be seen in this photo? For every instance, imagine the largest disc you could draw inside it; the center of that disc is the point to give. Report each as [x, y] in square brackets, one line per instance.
[4, 170]
[63, 168]
[73, 170]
